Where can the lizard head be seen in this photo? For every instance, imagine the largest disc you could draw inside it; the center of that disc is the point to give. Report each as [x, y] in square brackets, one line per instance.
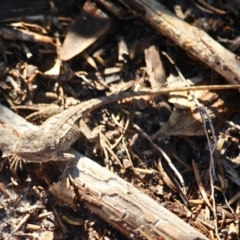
[31, 148]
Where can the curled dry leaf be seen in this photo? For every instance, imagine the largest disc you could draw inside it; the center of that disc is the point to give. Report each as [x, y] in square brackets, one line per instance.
[155, 67]
[64, 193]
[186, 120]
[88, 28]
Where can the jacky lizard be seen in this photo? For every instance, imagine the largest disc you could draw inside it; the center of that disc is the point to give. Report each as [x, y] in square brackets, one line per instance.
[55, 136]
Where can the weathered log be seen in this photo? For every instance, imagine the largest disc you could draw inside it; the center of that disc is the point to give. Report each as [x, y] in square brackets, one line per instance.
[108, 196]
[192, 39]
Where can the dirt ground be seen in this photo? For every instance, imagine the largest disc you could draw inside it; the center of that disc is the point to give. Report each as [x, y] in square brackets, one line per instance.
[181, 149]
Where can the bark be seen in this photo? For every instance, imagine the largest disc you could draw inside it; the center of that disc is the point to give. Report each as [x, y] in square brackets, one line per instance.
[105, 194]
[192, 39]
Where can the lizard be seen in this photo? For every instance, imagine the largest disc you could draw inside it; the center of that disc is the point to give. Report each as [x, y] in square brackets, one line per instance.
[55, 136]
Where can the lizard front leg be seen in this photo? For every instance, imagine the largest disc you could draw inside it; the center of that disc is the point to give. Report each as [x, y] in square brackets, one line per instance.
[65, 143]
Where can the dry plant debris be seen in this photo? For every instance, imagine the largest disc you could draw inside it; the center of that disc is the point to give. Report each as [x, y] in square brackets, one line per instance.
[180, 149]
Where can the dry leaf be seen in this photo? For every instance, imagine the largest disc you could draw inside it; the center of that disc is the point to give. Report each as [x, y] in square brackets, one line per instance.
[187, 122]
[63, 193]
[88, 27]
[155, 68]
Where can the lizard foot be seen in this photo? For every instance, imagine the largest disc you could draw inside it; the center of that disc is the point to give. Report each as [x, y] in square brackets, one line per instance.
[15, 163]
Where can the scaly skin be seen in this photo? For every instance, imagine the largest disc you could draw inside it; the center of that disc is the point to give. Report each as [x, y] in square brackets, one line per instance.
[59, 132]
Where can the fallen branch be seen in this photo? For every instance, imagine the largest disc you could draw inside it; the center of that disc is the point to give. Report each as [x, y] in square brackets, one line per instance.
[111, 198]
[192, 39]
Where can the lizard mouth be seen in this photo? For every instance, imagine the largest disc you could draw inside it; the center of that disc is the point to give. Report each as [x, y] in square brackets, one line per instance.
[26, 156]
